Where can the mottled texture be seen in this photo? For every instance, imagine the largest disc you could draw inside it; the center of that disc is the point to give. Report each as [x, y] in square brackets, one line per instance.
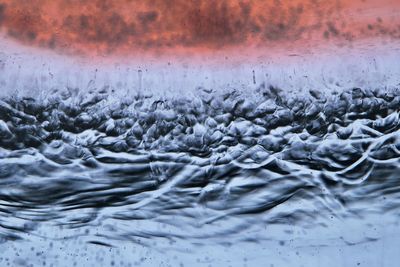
[130, 27]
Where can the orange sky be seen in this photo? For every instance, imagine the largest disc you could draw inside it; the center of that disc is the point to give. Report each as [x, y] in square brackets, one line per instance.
[133, 28]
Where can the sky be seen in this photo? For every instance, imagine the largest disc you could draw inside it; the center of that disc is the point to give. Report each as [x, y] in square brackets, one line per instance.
[196, 37]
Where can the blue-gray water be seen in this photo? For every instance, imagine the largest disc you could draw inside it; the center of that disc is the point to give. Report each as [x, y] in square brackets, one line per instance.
[218, 179]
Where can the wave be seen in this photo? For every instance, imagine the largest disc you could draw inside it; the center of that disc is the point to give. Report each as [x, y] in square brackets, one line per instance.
[208, 166]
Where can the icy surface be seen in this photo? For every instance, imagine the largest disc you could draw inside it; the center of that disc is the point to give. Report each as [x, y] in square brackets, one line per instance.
[218, 178]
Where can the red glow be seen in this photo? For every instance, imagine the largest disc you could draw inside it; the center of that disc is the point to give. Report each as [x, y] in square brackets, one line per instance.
[130, 27]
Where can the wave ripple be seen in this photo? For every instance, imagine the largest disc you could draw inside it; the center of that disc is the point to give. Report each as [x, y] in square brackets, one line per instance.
[206, 167]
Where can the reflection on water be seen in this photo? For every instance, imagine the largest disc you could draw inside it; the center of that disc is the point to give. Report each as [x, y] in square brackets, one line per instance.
[236, 179]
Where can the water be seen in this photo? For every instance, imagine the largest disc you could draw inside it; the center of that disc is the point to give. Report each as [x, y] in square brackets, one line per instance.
[221, 178]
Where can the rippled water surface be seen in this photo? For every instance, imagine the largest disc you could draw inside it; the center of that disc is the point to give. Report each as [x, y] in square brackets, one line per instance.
[211, 179]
